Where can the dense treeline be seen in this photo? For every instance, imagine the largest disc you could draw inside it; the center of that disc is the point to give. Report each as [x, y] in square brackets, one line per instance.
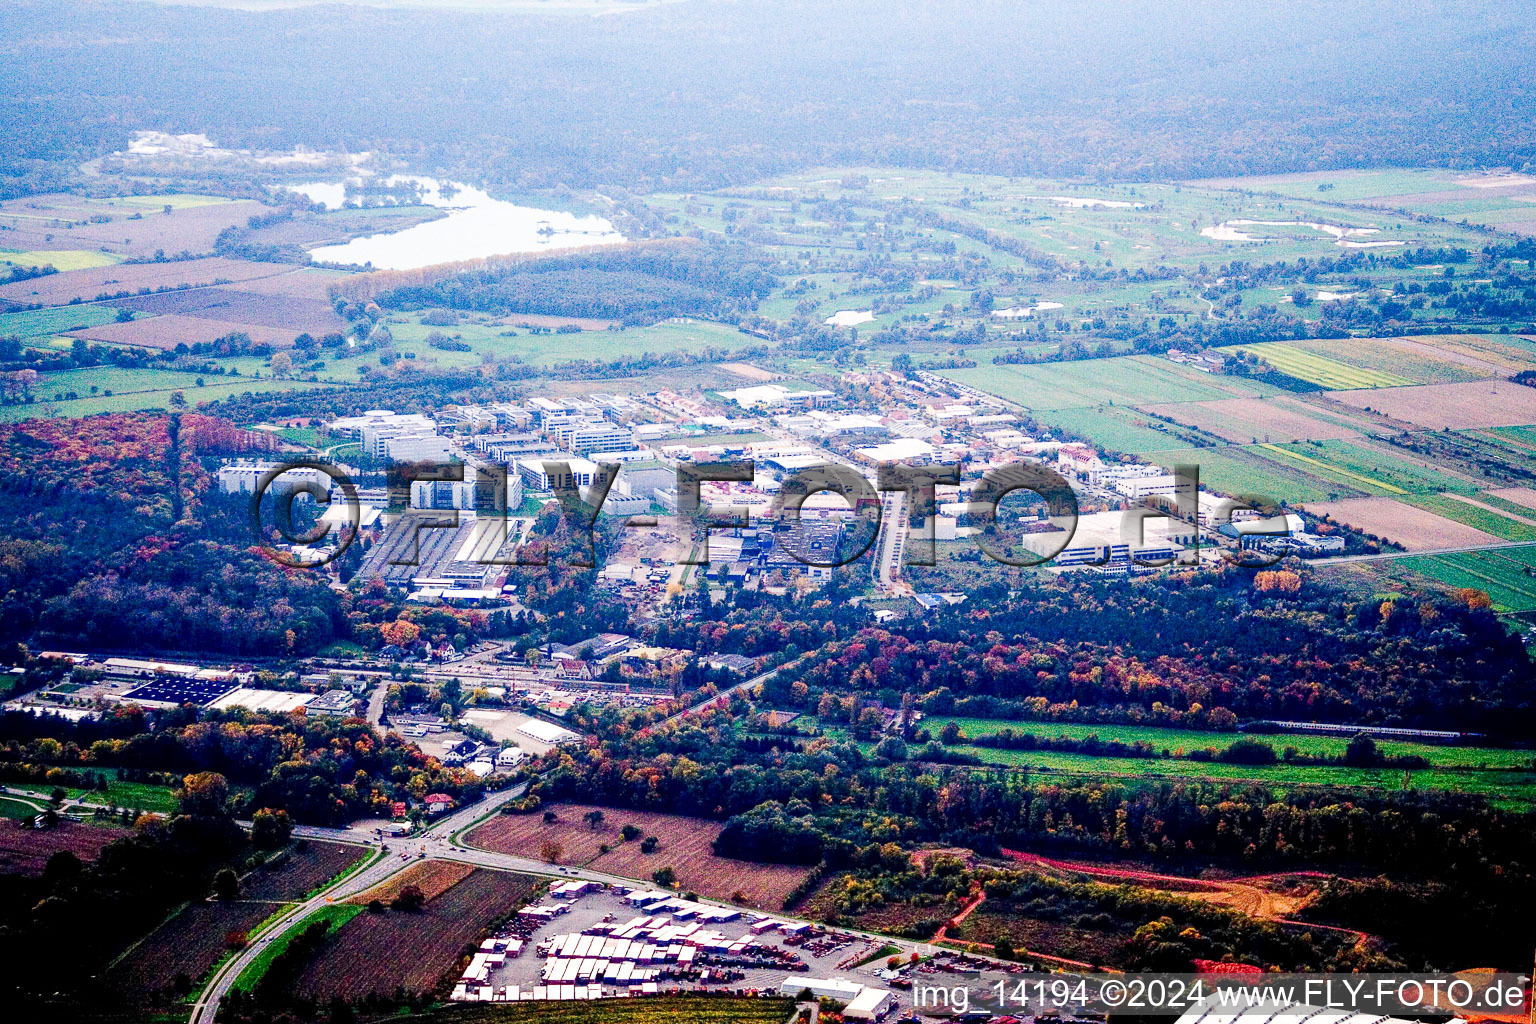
[93, 911]
[320, 770]
[633, 285]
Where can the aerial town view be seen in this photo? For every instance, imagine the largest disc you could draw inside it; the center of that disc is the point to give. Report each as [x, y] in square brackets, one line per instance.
[765, 512]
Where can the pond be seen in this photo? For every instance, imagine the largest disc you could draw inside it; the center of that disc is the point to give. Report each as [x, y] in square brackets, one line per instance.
[476, 225]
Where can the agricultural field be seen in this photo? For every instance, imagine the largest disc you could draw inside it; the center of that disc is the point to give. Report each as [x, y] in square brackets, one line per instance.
[167, 332]
[707, 1009]
[123, 227]
[684, 845]
[1308, 743]
[1118, 428]
[1451, 406]
[432, 877]
[1420, 360]
[1368, 468]
[1480, 515]
[1508, 575]
[1416, 529]
[1125, 380]
[182, 950]
[213, 389]
[132, 278]
[1508, 787]
[296, 873]
[58, 259]
[1247, 471]
[25, 851]
[1254, 420]
[376, 953]
[1327, 373]
[41, 323]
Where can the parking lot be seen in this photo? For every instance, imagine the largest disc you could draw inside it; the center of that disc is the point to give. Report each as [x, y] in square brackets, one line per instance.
[757, 959]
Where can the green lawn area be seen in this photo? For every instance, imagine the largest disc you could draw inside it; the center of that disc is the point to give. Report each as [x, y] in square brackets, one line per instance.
[1502, 574]
[1366, 469]
[1478, 518]
[338, 914]
[59, 259]
[215, 388]
[553, 349]
[1315, 744]
[1121, 380]
[41, 323]
[175, 200]
[1239, 470]
[12, 808]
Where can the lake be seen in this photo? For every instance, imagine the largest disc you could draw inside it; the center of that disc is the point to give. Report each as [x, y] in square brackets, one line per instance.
[476, 225]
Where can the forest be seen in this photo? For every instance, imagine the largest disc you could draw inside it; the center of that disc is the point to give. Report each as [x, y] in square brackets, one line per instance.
[631, 285]
[703, 93]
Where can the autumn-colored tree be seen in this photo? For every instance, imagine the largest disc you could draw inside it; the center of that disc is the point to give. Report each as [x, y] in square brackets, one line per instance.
[1474, 598]
[550, 851]
[1282, 580]
[400, 632]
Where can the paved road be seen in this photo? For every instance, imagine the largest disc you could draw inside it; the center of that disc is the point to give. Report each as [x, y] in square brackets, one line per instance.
[436, 842]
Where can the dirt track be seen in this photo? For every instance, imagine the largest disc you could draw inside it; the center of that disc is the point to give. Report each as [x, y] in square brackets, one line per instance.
[1253, 895]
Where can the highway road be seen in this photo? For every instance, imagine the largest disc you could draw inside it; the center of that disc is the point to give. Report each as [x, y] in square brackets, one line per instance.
[437, 842]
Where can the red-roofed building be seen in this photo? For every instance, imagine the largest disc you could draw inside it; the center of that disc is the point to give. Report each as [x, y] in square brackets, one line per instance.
[437, 803]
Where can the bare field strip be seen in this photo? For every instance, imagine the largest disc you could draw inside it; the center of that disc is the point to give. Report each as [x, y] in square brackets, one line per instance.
[1483, 403]
[432, 877]
[684, 844]
[1519, 495]
[1466, 500]
[129, 278]
[25, 851]
[289, 312]
[189, 944]
[1413, 528]
[166, 332]
[1245, 420]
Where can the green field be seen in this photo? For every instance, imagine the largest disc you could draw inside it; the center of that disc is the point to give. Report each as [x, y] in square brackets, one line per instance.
[1113, 428]
[1312, 744]
[1379, 355]
[1238, 470]
[1502, 574]
[338, 914]
[1327, 373]
[42, 323]
[553, 349]
[1364, 468]
[13, 808]
[1478, 518]
[1509, 779]
[59, 259]
[1121, 380]
[214, 389]
[175, 200]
